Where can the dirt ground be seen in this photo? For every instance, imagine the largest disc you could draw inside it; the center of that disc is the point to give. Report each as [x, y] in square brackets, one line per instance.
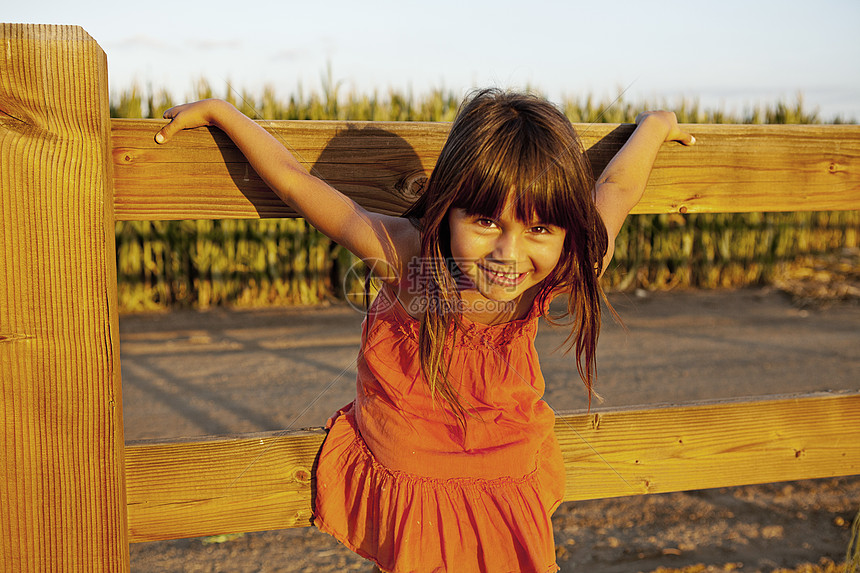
[221, 372]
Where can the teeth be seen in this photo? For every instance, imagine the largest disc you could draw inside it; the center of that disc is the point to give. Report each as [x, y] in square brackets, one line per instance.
[503, 276]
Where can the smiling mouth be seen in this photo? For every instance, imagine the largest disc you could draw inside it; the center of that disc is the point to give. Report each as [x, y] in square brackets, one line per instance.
[503, 278]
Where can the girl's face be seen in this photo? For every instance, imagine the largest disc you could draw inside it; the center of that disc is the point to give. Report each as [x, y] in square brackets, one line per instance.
[503, 257]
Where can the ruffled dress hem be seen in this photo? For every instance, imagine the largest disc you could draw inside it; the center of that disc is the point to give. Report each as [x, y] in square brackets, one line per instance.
[405, 523]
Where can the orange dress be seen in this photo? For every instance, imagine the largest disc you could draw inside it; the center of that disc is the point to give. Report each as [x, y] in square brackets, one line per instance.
[401, 484]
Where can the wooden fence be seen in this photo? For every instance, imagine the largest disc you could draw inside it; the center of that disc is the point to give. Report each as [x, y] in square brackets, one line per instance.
[73, 495]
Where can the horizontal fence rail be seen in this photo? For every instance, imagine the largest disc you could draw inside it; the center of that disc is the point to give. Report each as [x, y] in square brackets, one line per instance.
[264, 481]
[200, 174]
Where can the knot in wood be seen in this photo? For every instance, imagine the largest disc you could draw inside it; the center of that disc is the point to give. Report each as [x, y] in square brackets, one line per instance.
[302, 476]
[412, 185]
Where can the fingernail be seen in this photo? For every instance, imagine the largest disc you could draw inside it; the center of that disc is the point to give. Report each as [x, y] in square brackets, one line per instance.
[159, 138]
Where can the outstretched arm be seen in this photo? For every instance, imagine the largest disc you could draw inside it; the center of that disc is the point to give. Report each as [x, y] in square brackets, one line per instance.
[379, 240]
[619, 188]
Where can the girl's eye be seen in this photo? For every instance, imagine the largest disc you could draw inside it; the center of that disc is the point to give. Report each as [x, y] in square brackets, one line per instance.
[487, 223]
[540, 230]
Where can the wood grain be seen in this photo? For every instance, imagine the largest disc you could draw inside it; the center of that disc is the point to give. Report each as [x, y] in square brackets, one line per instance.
[249, 483]
[730, 443]
[264, 481]
[62, 496]
[200, 174]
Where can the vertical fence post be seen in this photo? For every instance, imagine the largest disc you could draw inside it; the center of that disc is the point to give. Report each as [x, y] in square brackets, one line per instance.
[62, 494]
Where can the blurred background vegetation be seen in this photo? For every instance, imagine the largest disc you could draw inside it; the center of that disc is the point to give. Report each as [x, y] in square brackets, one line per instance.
[250, 263]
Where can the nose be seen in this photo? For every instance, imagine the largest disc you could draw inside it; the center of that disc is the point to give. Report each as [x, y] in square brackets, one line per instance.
[505, 248]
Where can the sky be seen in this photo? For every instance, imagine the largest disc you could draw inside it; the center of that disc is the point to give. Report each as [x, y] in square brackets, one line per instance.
[732, 54]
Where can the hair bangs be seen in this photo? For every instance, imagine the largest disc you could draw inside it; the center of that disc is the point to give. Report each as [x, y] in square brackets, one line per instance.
[532, 181]
[543, 194]
[517, 173]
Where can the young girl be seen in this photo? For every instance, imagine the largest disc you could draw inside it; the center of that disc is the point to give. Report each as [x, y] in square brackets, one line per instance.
[446, 460]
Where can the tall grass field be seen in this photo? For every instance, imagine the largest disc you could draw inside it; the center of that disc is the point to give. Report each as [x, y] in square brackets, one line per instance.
[250, 263]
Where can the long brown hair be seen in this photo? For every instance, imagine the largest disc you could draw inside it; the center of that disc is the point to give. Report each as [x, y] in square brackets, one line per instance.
[499, 142]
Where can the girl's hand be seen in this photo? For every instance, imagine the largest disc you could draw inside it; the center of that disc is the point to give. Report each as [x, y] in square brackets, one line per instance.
[188, 116]
[670, 122]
